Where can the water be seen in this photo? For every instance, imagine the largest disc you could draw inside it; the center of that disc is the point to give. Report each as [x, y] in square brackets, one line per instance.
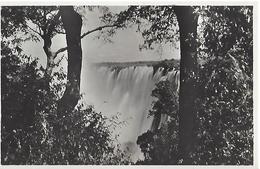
[126, 91]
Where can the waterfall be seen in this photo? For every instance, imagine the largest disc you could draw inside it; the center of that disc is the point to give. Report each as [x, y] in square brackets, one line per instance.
[126, 91]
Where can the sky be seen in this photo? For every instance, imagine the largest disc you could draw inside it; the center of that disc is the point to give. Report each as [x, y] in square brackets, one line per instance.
[124, 46]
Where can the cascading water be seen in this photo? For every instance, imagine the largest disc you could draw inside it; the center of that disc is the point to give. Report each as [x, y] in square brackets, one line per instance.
[126, 91]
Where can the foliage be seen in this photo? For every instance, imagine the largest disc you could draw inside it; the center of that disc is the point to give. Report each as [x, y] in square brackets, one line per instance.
[225, 107]
[32, 21]
[32, 133]
[157, 24]
[166, 98]
[19, 91]
[224, 119]
[160, 144]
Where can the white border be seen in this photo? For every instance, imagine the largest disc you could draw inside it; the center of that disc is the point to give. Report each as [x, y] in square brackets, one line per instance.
[126, 2]
[256, 64]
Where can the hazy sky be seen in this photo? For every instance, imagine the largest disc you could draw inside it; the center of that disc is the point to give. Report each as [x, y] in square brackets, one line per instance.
[125, 46]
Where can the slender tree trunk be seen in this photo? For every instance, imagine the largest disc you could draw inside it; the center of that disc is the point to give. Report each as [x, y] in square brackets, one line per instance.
[47, 39]
[187, 21]
[72, 23]
[50, 61]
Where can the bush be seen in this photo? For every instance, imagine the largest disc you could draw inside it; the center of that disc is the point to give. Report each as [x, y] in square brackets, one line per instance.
[32, 133]
[160, 144]
[224, 114]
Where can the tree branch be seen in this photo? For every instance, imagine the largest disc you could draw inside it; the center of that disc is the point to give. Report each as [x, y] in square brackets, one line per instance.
[59, 51]
[34, 31]
[98, 29]
[85, 34]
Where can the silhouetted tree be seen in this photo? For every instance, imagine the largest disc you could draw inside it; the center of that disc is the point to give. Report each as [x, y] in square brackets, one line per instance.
[224, 40]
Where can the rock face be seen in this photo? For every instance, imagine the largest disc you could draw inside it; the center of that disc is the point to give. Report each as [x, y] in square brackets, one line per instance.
[126, 88]
[167, 64]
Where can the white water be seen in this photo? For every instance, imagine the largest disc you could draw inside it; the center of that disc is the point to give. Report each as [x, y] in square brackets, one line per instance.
[128, 92]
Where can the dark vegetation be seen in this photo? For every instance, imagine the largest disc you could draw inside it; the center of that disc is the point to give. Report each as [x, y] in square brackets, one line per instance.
[29, 118]
[222, 131]
[42, 121]
[210, 118]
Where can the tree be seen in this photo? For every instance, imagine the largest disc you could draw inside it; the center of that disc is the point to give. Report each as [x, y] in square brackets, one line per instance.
[224, 40]
[187, 21]
[224, 130]
[72, 23]
[35, 23]
[43, 23]
[163, 28]
[37, 135]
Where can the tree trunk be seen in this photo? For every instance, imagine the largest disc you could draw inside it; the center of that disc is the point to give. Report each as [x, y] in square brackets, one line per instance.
[72, 23]
[187, 21]
[47, 39]
[50, 60]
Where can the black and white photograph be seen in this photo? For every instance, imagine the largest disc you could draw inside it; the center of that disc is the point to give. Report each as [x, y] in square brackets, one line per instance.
[127, 85]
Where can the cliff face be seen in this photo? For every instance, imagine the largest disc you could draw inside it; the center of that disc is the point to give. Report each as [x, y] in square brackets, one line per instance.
[168, 65]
